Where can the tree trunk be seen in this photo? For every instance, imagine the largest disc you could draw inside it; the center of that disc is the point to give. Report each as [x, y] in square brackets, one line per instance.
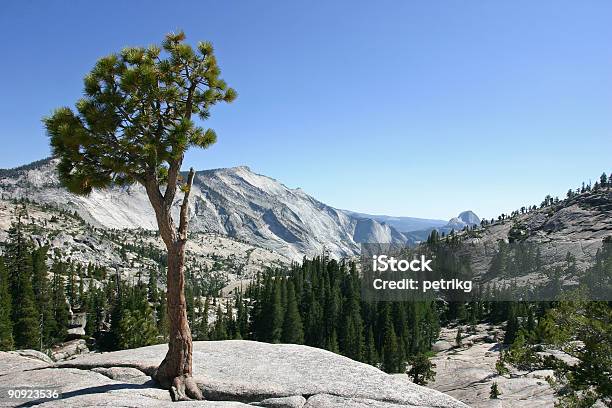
[174, 372]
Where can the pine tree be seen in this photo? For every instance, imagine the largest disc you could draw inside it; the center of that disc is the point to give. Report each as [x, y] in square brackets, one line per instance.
[331, 310]
[59, 305]
[495, 393]
[42, 295]
[352, 323]
[242, 318]
[203, 321]
[458, 340]
[230, 323]
[390, 352]
[219, 331]
[81, 297]
[6, 323]
[137, 326]
[371, 355]
[152, 292]
[512, 326]
[134, 124]
[421, 370]
[71, 286]
[26, 331]
[331, 342]
[117, 311]
[276, 313]
[293, 331]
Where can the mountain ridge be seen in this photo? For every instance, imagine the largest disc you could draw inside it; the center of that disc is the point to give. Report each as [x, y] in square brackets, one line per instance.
[235, 201]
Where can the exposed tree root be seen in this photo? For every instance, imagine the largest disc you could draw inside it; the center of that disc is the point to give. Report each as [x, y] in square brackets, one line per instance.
[182, 388]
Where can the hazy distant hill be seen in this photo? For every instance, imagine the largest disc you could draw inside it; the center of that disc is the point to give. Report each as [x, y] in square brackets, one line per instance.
[464, 219]
[402, 224]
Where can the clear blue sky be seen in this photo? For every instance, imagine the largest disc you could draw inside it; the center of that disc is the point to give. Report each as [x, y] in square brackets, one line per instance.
[414, 108]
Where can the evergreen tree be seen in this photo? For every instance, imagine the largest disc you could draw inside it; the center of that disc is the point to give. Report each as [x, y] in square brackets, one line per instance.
[242, 318]
[495, 393]
[59, 305]
[371, 355]
[421, 369]
[390, 351]
[152, 292]
[331, 342]
[293, 331]
[42, 295]
[276, 312]
[134, 124]
[71, 286]
[134, 323]
[203, 321]
[26, 321]
[6, 323]
[137, 329]
[458, 340]
[512, 326]
[352, 323]
[219, 331]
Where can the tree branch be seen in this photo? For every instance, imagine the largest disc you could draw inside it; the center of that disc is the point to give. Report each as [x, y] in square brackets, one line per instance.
[182, 231]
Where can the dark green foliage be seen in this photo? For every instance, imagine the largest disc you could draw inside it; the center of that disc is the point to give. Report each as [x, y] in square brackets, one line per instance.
[293, 331]
[132, 322]
[96, 305]
[458, 337]
[391, 357]
[352, 335]
[202, 326]
[6, 323]
[137, 326]
[59, 305]
[512, 326]
[219, 331]
[18, 260]
[334, 317]
[495, 393]
[421, 369]
[500, 366]
[370, 352]
[591, 324]
[43, 297]
[135, 119]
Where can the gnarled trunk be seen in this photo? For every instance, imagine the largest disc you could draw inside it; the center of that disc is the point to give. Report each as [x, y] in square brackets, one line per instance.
[175, 371]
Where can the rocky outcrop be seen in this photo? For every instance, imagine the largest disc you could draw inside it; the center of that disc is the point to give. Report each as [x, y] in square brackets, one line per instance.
[69, 349]
[467, 372]
[229, 373]
[577, 227]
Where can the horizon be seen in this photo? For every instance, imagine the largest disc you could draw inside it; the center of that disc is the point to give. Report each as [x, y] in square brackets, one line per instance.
[373, 214]
[502, 104]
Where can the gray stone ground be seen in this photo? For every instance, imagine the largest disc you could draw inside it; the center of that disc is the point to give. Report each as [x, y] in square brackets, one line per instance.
[467, 372]
[230, 373]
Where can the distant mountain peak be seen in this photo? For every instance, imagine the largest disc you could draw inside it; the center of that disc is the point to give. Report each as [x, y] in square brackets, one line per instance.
[469, 217]
[464, 219]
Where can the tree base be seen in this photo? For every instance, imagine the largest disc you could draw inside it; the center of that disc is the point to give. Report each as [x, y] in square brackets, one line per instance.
[182, 388]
